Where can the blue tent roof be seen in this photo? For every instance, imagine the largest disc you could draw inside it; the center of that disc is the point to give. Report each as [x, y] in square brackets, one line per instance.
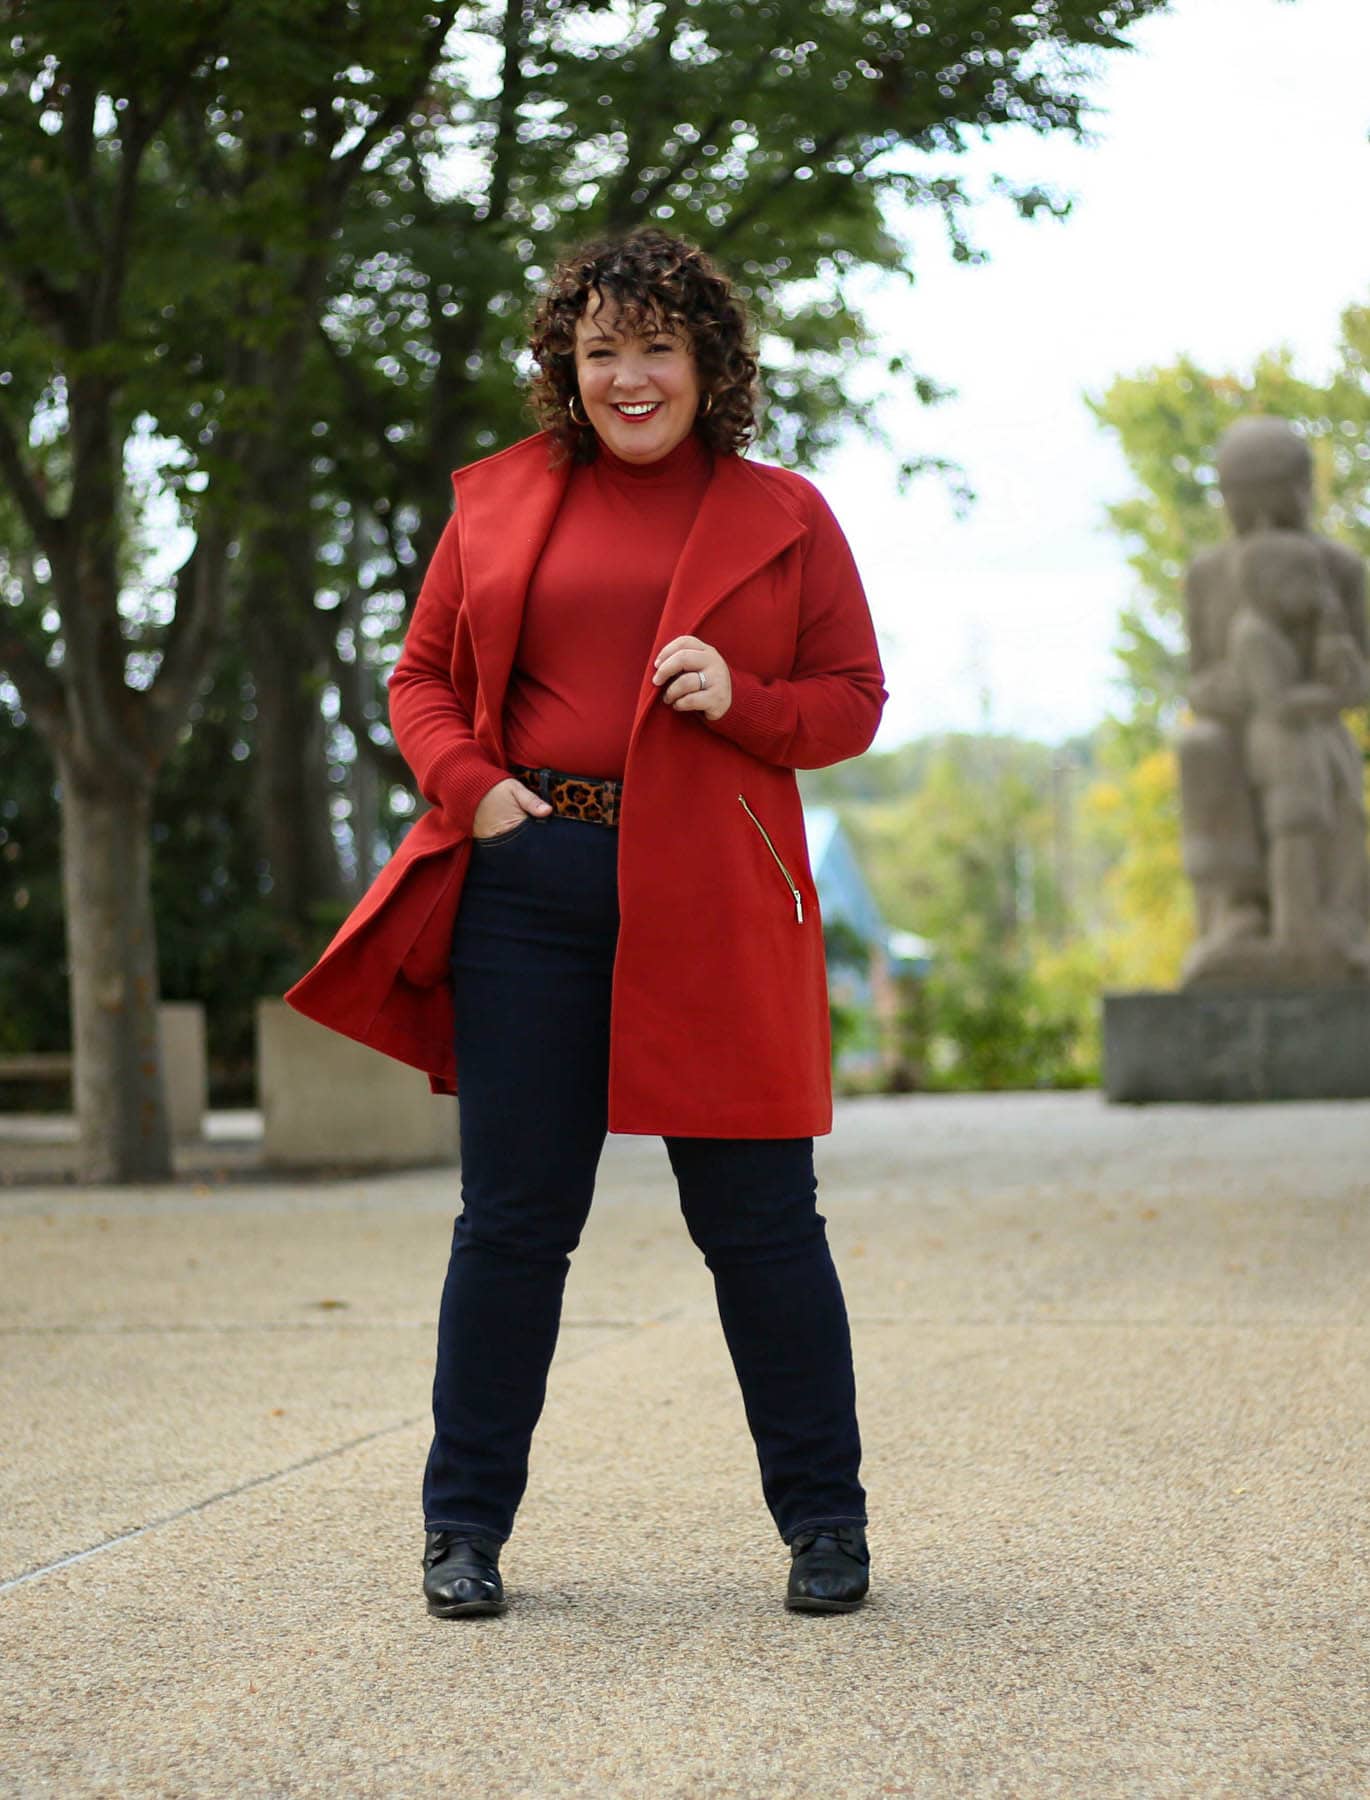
[844, 893]
[842, 889]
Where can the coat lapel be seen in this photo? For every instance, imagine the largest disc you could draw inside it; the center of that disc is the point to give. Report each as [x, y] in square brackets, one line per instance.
[505, 508]
[739, 528]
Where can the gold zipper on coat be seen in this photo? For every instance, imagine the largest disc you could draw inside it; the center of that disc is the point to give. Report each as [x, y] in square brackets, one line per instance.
[798, 899]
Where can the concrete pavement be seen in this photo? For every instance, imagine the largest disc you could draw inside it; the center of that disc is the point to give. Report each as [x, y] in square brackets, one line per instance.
[1112, 1366]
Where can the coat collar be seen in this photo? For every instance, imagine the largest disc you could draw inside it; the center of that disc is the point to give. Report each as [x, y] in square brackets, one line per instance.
[506, 505]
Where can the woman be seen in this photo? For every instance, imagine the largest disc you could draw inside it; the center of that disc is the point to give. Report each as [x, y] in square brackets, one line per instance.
[628, 640]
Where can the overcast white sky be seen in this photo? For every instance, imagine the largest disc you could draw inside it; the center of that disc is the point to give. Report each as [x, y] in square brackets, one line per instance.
[1225, 210]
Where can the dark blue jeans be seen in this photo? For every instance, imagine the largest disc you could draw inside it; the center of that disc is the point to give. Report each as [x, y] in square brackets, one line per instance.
[532, 966]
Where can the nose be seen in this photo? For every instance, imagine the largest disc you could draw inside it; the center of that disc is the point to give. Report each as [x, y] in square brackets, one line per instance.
[632, 373]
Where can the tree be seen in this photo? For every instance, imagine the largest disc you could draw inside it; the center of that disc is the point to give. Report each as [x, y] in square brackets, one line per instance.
[80, 107]
[101, 241]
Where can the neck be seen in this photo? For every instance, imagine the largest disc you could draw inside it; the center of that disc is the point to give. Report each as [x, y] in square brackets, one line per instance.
[683, 459]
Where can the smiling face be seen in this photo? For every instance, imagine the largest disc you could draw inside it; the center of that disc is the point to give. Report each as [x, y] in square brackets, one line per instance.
[639, 391]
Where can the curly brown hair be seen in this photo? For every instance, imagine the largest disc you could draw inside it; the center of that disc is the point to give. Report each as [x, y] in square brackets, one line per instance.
[653, 279]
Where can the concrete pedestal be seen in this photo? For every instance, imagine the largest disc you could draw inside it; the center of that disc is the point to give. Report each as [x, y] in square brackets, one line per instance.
[326, 1100]
[1280, 1044]
[185, 1066]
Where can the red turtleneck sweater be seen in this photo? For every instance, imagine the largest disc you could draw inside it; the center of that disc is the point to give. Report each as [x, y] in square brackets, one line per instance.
[593, 607]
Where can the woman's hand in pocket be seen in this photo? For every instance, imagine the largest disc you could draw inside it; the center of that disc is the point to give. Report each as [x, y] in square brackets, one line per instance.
[504, 806]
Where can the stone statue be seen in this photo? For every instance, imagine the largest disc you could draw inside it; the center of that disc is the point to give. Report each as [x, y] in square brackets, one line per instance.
[1271, 782]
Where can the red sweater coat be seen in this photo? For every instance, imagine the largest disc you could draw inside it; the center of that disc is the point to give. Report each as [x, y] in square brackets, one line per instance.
[719, 1020]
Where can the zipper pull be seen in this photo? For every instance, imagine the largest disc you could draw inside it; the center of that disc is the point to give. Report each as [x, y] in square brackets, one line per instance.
[799, 906]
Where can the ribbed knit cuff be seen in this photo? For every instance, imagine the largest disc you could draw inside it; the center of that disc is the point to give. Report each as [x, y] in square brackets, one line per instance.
[761, 717]
[461, 778]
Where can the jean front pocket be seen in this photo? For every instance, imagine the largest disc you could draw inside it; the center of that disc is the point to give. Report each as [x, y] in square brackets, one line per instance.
[503, 837]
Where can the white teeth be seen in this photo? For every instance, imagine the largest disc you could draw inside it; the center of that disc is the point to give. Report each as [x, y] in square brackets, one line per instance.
[637, 411]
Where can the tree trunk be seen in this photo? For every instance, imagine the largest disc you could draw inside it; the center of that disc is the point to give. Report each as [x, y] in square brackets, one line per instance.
[112, 955]
[290, 773]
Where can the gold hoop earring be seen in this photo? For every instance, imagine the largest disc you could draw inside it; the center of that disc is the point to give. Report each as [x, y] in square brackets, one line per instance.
[582, 421]
[708, 405]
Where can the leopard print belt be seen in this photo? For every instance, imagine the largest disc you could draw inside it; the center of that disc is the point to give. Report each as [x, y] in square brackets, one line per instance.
[585, 797]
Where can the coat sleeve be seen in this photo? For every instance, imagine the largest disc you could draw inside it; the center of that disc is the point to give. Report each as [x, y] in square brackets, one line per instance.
[830, 706]
[431, 726]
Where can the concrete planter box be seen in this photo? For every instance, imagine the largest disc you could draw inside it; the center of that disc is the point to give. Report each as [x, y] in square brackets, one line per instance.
[328, 1100]
[185, 1066]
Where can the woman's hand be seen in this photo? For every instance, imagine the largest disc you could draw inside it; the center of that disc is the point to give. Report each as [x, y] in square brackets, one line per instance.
[679, 665]
[503, 806]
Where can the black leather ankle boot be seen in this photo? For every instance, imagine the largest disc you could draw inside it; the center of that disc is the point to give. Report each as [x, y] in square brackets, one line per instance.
[830, 1571]
[461, 1575]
